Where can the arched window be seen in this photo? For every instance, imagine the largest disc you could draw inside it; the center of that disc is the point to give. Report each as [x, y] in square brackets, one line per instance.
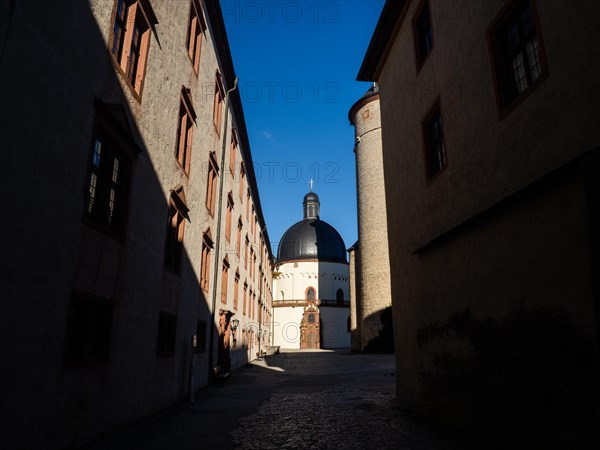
[311, 318]
[339, 296]
[310, 294]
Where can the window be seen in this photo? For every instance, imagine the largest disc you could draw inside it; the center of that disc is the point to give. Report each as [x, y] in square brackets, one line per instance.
[187, 117]
[111, 163]
[196, 28]
[218, 106]
[242, 178]
[228, 217]
[236, 289]
[339, 297]
[248, 204]
[252, 263]
[238, 241]
[178, 211]
[201, 336]
[224, 280]
[435, 149]
[89, 330]
[310, 294]
[250, 305]
[165, 342]
[232, 152]
[518, 57]
[211, 184]
[130, 40]
[245, 298]
[207, 245]
[253, 223]
[108, 188]
[246, 252]
[311, 318]
[423, 33]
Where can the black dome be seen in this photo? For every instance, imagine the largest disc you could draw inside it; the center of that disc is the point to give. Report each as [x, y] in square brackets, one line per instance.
[311, 239]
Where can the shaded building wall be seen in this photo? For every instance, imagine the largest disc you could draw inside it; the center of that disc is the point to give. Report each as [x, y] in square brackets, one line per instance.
[354, 299]
[334, 327]
[535, 251]
[373, 268]
[54, 65]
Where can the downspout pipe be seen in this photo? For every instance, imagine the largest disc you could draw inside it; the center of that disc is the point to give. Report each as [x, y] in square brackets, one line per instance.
[218, 233]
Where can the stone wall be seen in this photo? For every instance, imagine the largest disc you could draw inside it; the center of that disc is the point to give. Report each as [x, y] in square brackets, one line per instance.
[373, 263]
[55, 68]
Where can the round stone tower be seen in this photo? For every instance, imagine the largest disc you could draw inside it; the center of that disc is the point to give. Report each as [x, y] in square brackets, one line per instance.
[372, 260]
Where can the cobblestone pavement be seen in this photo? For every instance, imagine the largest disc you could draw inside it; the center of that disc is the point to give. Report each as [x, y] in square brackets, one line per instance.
[297, 400]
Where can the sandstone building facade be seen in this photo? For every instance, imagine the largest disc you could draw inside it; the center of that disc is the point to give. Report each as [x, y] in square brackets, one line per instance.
[490, 134]
[136, 262]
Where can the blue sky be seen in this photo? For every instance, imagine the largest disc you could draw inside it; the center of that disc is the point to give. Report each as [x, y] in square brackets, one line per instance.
[297, 63]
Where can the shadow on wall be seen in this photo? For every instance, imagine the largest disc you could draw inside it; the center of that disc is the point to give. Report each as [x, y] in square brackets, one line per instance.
[115, 322]
[384, 341]
[528, 380]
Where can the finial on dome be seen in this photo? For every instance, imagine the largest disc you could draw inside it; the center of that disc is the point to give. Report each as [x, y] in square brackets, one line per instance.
[311, 182]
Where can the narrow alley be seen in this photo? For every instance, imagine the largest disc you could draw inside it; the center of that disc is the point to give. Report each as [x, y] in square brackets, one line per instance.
[296, 399]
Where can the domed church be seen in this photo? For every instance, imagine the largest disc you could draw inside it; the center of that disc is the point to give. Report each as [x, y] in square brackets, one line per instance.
[310, 284]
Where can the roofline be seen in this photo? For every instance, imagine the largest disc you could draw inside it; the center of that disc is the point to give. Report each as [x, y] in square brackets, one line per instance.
[317, 260]
[365, 99]
[223, 52]
[390, 21]
[353, 247]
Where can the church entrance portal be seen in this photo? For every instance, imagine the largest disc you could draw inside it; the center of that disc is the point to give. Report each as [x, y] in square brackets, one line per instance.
[309, 328]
